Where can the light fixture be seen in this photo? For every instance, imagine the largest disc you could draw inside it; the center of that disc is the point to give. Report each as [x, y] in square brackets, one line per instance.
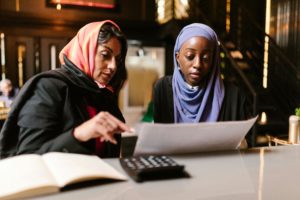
[172, 9]
[17, 5]
[266, 44]
[263, 118]
[58, 6]
[2, 36]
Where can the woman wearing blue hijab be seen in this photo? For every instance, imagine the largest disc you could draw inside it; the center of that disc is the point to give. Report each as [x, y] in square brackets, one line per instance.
[196, 93]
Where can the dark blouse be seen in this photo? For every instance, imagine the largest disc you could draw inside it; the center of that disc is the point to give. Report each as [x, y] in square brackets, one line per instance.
[235, 105]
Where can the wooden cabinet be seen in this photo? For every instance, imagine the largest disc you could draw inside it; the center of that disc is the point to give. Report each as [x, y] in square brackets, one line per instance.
[29, 55]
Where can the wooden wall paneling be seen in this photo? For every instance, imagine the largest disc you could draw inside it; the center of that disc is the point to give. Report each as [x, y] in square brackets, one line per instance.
[45, 51]
[37, 55]
[12, 58]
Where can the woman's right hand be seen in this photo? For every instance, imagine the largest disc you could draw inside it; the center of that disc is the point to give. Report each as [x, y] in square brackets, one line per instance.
[103, 126]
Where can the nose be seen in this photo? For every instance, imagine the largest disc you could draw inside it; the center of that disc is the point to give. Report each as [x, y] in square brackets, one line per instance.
[197, 62]
[112, 65]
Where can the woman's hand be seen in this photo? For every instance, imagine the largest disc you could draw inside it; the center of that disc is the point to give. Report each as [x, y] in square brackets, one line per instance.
[103, 126]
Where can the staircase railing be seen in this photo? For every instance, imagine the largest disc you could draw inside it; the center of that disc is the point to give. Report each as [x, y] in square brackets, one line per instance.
[233, 73]
[283, 75]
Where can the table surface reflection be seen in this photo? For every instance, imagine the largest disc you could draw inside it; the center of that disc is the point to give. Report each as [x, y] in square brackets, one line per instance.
[266, 173]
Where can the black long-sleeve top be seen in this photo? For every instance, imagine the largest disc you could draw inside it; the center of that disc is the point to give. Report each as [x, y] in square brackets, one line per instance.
[49, 107]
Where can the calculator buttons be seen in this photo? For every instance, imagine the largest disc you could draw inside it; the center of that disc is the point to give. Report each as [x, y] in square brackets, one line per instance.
[151, 167]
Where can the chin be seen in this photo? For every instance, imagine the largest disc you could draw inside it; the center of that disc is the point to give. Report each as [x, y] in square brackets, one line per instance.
[103, 81]
[195, 82]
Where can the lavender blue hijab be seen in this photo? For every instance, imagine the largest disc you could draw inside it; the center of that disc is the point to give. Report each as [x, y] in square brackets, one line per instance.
[204, 104]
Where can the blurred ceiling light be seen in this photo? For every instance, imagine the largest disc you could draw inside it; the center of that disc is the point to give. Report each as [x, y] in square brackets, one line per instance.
[228, 4]
[58, 6]
[181, 9]
[184, 2]
[263, 118]
[18, 5]
[161, 11]
[106, 4]
[171, 9]
[266, 44]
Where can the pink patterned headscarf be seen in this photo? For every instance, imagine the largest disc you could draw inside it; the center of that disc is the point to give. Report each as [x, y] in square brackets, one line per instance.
[81, 50]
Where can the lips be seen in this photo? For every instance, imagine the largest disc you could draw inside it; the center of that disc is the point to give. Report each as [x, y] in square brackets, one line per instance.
[195, 75]
[106, 77]
[107, 73]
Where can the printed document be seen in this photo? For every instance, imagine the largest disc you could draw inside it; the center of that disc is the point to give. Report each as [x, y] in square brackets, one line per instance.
[155, 138]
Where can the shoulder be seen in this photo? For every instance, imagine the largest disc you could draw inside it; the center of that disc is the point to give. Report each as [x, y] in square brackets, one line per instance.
[49, 79]
[163, 93]
[45, 84]
[230, 87]
[164, 82]
[233, 91]
[51, 82]
[236, 97]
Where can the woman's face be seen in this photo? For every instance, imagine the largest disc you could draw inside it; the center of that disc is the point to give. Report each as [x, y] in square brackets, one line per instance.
[107, 57]
[195, 59]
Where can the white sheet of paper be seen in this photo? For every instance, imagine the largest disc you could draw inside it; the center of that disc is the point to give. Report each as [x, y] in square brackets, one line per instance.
[154, 138]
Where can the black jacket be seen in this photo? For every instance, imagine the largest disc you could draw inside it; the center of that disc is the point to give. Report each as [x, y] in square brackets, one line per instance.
[47, 109]
[235, 105]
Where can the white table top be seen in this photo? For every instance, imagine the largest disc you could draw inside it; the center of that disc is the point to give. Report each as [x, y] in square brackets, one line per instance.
[269, 173]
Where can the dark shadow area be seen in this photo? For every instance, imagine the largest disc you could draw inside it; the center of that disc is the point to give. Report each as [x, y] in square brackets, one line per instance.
[164, 176]
[86, 184]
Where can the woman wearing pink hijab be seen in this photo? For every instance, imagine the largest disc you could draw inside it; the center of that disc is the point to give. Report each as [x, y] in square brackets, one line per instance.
[73, 109]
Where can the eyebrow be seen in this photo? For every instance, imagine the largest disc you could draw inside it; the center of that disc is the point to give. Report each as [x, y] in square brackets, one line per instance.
[107, 47]
[207, 49]
[111, 51]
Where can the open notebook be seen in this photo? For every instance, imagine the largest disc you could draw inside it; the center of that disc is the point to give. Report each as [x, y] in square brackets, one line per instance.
[31, 175]
[190, 137]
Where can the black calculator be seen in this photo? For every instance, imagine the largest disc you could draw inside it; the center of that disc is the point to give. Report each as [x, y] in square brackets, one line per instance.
[151, 167]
